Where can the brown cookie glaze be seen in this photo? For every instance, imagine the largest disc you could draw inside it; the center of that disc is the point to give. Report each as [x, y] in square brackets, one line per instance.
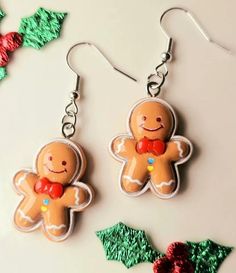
[151, 152]
[52, 193]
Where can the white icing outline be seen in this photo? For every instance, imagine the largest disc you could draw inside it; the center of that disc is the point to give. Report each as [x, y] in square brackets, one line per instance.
[16, 185]
[120, 145]
[81, 161]
[76, 196]
[21, 180]
[178, 144]
[25, 217]
[56, 227]
[164, 183]
[173, 137]
[71, 213]
[136, 181]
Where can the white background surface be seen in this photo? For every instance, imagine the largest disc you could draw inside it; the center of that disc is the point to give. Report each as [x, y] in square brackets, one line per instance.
[201, 87]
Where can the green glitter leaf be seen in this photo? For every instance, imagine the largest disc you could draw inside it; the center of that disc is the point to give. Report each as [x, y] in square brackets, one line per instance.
[128, 245]
[41, 28]
[3, 73]
[207, 256]
[2, 14]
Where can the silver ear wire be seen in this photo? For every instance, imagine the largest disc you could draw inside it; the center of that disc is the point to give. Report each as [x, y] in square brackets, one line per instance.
[101, 53]
[71, 110]
[197, 25]
[156, 81]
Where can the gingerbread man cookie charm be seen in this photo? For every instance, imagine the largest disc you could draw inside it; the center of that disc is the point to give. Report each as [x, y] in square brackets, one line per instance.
[52, 192]
[151, 152]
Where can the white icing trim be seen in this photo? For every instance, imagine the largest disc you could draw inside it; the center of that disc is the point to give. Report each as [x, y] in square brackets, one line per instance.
[76, 196]
[21, 180]
[119, 146]
[164, 183]
[173, 137]
[24, 216]
[40, 222]
[136, 181]
[178, 143]
[56, 227]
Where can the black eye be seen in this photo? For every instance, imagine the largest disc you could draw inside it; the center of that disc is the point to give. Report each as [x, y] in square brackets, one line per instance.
[63, 163]
[50, 158]
[158, 119]
[144, 117]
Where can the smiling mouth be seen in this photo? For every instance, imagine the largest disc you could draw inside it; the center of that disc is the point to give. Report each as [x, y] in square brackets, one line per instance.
[52, 171]
[152, 129]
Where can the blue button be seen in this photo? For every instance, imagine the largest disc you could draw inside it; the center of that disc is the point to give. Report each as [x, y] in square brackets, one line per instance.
[46, 202]
[151, 160]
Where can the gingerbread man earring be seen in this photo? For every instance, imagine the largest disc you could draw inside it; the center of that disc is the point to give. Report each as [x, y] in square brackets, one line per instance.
[52, 192]
[151, 151]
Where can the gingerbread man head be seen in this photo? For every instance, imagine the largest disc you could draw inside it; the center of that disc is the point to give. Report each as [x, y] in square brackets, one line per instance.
[152, 119]
[60, 162]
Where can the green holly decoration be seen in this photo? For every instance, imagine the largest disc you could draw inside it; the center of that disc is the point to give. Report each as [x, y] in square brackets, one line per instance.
[3, 73]
[128, 245]
[207, 256]
[36, 31]
[41, 28]
[2, 14]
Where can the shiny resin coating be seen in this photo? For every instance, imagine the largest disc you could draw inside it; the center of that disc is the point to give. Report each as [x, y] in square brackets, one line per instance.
[151, 152]
[52, 193]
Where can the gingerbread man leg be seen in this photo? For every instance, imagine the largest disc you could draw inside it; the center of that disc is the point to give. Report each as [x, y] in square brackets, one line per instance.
[163, 178]
[134, 176]
[56, 221]
[27, 215]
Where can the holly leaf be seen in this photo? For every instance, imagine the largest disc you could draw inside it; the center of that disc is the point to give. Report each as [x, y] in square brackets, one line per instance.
[207, 256]
[41, 28]
[128, 245]
[2, 14]
[3, 73]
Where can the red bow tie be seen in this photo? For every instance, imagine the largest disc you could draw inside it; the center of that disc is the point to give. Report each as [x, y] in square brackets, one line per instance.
[53, 189]
[156, 147]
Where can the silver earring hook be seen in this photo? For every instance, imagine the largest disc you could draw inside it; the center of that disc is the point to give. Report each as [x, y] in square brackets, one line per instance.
[70, 118]
[101, 53]
[156, 81]
[197, 25]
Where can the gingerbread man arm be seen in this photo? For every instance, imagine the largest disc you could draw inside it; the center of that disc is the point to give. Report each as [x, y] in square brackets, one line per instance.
[123, 146]
[24, 181]
[77, 197]
[177, 149]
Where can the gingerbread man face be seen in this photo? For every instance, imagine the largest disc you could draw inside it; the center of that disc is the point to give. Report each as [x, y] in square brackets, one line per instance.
[52, 193]
[58, 162]
[150, 152]
[153, 120]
